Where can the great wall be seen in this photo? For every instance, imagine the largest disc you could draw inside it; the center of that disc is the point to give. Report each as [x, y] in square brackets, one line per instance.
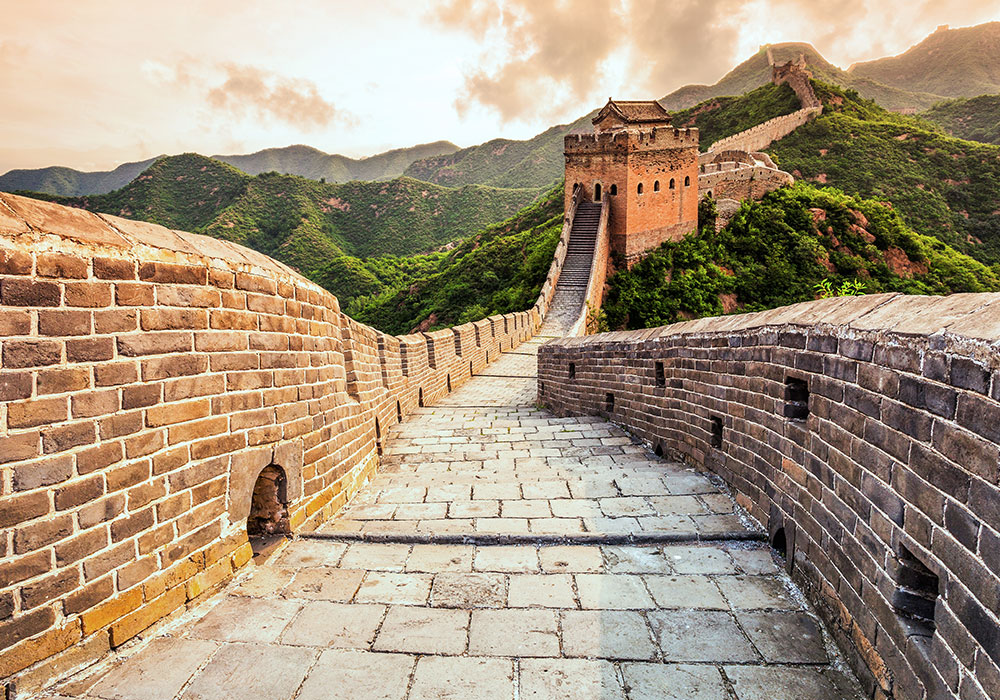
[164, 396]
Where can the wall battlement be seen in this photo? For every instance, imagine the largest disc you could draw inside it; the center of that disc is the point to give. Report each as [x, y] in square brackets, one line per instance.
[147, 377]
[658, 138]
[861, 432]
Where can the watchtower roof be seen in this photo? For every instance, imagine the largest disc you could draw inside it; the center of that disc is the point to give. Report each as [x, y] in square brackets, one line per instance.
[633, 112]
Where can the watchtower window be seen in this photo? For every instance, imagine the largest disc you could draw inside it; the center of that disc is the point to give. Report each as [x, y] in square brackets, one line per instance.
[796, 399]
[638, 189]
[687, 180]
[673, 184]
[614, 190]
[915, 597]
[597, 192]
[656, 186]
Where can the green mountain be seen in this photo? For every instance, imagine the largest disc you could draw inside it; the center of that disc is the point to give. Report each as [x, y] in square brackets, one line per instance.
[302, 222]
[975, 119]
[775, 251]
[291, 160]
[756, 71]
[941, 186]
[961, 62]
[68, 182]
[317, 165]
[536, 162]
[497, 270]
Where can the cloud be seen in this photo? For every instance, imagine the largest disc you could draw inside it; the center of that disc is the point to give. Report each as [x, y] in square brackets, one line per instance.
[250, 91]
[540, 55]
[550, 47]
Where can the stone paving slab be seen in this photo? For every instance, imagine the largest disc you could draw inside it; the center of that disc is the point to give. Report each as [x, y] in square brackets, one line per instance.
[411, 593]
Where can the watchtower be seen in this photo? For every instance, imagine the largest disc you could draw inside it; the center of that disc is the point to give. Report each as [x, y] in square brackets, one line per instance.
[647, 170]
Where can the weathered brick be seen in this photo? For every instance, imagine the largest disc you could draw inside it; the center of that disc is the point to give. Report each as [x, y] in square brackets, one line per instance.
[153, 611]
[38, 534]
[121, 425]
[14, 322]
[66, 437]
[91, 295]
[22, 568]
[173, 366]
[102, 511]
[31, 353]
[232, 320]
[177, 274]
[972, 453]
[15, 386]
[43, 472]
[255, 283]
[61, 265]
[64, 322]
[15, 448]
[969, 374]
[138, 571]
[126, 475]
[114, 269]
[90, 349]
[18, 509]
[18, 292]
[115, 321]
[141, 395]
[111, 610]
[191, 387]
[197, 429]
[24, 626]
[90, 595]
[136, 345]
[135, 294]
[167, 295]
[15, 262]
[171, 413]
[116, 373]
[62, 381]
[144, 494]
[108, 560]
[170, 459]
[123, 528]
[79, 492]
[44, 590]
[145, 443]
[95, 403]
[221, 278]
[160, 319]
[99, 457]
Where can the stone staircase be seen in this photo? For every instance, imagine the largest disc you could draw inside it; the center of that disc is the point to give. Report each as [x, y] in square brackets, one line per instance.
[571, 289]
[583, 237]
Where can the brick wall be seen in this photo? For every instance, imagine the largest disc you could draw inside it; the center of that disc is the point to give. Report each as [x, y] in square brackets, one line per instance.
[147, 377]
[862, 433]
[740, 182]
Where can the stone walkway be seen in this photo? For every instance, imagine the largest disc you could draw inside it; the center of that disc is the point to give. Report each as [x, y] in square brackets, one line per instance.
[412, 594]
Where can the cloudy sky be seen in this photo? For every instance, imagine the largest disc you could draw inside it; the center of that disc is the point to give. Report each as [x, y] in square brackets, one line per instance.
[93, 83]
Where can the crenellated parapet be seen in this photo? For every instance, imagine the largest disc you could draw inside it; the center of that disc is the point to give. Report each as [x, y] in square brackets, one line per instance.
[631, 140]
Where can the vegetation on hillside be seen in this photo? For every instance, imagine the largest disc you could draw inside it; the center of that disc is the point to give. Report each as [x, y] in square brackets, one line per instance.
[499, 270]
[776, 251]
[974, 119]
[724, 116]
[536, 162]
[302, 222]
[316, 165]
[67, 182]
[941, 186]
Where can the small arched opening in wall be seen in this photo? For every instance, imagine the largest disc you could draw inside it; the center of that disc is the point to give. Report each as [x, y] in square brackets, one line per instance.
[613, 191]
[638, 188]
[658, 450]
[687, 180]
[399, 412]
[779, 544]
[448, 380]
[597, 192]
[673, 184]
[268, 520]
[420, 397]
[378, 436]
[656, 186]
